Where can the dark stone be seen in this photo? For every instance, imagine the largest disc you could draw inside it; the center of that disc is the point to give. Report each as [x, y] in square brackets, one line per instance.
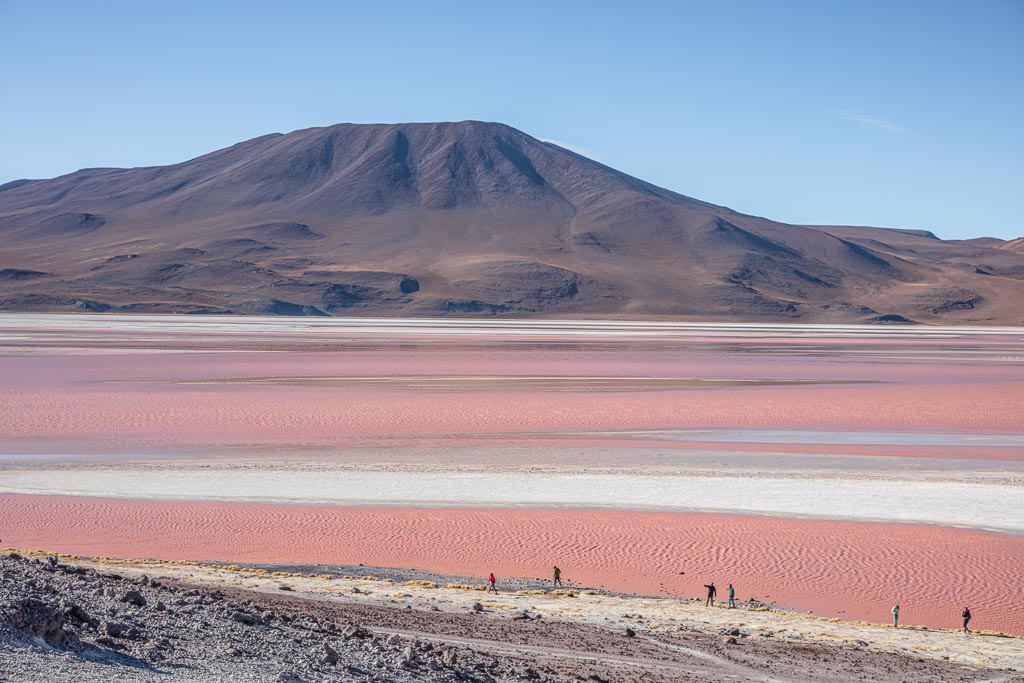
[112, 629]
[356, 632]
[38, 619]
[134, 598]
[107, 641]
[245, 618]
[76, 612]
[889, 319]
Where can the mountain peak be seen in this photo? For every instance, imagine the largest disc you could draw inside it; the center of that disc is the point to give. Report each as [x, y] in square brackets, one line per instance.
[467, 217]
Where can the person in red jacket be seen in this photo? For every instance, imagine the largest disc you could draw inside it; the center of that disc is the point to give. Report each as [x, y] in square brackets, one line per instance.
[490, 581]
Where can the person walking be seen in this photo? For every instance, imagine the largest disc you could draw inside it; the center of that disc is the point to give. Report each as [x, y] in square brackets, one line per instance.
[732, 596]
[896, 615]
[490, 584]
[557, 581]
[711, 594]
[966, 614]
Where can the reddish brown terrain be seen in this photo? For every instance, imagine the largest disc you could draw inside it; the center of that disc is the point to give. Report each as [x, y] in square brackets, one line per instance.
[462, 218]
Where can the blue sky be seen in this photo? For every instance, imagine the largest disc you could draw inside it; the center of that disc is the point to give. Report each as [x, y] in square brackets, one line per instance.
[901, 114]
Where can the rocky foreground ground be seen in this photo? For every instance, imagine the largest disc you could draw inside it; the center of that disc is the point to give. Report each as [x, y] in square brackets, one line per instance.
[69, 619]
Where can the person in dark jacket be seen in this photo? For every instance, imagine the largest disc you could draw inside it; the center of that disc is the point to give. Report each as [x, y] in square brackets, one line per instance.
[558, 577]
[711, 594]
[966, 614]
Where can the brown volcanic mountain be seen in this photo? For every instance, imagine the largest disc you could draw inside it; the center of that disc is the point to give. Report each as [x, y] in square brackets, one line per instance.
[459, 218]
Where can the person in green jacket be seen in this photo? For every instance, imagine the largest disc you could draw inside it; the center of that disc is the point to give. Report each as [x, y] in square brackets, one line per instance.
[558, 577]
[732, 596]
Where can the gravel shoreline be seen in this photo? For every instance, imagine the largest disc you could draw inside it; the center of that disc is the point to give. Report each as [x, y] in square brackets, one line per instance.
[71, 619]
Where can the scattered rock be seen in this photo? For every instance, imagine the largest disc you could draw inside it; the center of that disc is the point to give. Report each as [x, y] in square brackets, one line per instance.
[75, 611]
[107, 641]
[394, 639]
[134, 598]
[729, 640]
[245, 618]
[630, 633]
[112, 629]
[35, 618]
[330, 655]
[477, 607]
[356, 632]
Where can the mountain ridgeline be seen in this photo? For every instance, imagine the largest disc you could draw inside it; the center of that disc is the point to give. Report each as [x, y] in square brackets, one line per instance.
[471, 219]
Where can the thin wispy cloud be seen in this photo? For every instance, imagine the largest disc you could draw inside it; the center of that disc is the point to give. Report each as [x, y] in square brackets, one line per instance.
[866, 121]
[583, 151]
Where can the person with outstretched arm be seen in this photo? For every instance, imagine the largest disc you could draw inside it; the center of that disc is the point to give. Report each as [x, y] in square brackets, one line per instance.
[711, 593]
[896, 615]
[558, 577]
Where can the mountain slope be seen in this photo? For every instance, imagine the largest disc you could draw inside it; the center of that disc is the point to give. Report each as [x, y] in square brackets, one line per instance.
[996, 243]
[458, 218]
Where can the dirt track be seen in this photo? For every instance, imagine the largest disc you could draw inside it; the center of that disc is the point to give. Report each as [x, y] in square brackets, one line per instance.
[567, 650]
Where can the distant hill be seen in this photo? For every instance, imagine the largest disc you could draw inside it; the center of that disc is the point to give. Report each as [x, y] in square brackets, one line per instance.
[470, 218]
[996, 243]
